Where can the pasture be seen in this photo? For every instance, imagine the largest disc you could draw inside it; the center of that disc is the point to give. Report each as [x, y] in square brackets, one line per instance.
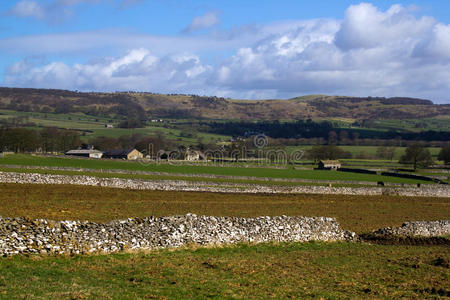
[92, 127]
[273, 270]
[291, 270]
[200, 168]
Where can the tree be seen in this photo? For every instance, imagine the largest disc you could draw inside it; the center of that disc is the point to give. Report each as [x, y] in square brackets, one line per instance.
[332, 138]
[444, 154]
[317, 153]
[417, 155]
[386, 152]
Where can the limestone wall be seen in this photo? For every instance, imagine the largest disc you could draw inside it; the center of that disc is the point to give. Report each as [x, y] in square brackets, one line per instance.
[20, 235]
[181, 185]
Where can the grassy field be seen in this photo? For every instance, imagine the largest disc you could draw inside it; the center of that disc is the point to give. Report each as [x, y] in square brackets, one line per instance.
[29, 160]
[273, 270]
[370, 151]
[184, 178]
[311, 270]
[356, 213]
[95, 127]
[437, 124]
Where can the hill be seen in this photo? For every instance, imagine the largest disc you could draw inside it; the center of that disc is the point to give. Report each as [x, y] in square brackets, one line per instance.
[149, 105]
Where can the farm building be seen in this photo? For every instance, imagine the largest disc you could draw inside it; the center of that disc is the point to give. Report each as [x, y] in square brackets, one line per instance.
[329, 164]
[193, 155]
[166, 155]
[129, 154]
[91, 153]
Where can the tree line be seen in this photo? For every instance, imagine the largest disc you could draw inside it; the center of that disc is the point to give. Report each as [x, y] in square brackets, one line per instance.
[324, 129]
[46, 140]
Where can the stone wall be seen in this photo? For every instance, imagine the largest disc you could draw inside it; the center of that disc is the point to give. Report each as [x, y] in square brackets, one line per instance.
[181, 185]
[415, 229]
[86, 171]
[21, 235]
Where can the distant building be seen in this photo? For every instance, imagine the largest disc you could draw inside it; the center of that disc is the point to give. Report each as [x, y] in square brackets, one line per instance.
[329, 164]
[91, 153]
[193, 155]
[128, 154]
[172, 155]
[162, 154]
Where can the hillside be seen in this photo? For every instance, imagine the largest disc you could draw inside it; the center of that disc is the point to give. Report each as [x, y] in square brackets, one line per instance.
[148, 105]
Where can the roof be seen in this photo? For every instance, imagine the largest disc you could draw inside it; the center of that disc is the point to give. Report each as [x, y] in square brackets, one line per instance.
[119, 152]
[83, 151]
[330, 162]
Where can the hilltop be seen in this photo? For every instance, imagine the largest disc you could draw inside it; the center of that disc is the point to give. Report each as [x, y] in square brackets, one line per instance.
[149, 105]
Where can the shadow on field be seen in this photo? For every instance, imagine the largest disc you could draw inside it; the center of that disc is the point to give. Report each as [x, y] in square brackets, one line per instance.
[404, 240]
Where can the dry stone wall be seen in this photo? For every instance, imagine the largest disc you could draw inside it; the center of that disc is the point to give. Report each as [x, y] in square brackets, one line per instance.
[21, 235]
[415, 229]
[181, 185]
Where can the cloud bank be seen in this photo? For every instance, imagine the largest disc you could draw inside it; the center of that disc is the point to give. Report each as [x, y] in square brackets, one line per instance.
[370, 52]
[57, 11]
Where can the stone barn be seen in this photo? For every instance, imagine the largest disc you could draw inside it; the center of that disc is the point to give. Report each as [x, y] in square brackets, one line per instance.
[193, 155]
[329, 164]
[128, 154]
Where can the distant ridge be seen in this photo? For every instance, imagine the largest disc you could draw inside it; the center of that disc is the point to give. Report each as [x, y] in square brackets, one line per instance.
[149, 105]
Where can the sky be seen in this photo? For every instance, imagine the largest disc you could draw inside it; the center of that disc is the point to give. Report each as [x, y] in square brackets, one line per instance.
[236, 49]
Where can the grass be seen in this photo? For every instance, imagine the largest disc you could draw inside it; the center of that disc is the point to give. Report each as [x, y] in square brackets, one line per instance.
[356, 213]
[170, 177]
[96, 126]
[416, 125]
[370, 151]
[28, 160]
[287, 270]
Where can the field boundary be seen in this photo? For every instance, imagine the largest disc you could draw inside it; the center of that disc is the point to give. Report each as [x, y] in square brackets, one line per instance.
[182, 185]
[206, 176]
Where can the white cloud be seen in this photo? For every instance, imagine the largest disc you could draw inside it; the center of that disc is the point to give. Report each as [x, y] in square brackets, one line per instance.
[370, 52]
[26, 9]
[365, 27]
[138, 69]
[55, 11]
[208, 20]
[390, 53]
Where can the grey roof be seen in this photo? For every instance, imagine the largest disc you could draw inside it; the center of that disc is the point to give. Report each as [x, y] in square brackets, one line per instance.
[119, 152]
[83, 151]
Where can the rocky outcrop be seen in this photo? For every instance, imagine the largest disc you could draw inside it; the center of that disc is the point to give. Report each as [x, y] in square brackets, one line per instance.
[21, 235]
[182, 185]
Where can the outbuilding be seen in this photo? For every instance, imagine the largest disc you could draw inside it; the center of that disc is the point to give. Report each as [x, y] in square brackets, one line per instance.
[128, 154]
[91, 153]
[194, 155]
[329, 164]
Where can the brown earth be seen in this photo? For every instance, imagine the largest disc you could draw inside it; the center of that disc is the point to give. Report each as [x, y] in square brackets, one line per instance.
[355, 213]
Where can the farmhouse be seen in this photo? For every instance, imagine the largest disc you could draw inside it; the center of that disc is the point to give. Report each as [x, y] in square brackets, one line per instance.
[91, 153]
[329, 164]
[192, 155]
[128, 154]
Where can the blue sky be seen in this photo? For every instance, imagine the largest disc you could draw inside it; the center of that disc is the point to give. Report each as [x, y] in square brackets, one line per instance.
[238, 49]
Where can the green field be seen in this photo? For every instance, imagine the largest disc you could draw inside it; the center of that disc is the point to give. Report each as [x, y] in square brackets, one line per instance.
[95, 126]
[370, 151]
[106, 174]
[281, 271]
[416, 125]
[29, 160]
